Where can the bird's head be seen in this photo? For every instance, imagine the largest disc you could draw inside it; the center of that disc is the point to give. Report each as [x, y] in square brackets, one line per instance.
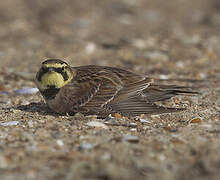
[54, 73]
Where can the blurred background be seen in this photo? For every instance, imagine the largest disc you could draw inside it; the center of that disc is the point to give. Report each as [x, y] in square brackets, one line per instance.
[168, 39]
[142, 35]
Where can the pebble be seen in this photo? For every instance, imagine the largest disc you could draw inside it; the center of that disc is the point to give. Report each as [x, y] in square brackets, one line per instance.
[155, 116]
[156, 55]
[30, 124]
[133, 124]
[85, 146]
[97, 124]
[130, 138]
[163, 76]
[24, 102]
[139, 43]
[26, 91]
[196, 120]
[60, 142]
[203, 75]
[180, 64]
[4, 92]
[9, 123]
[133, 129]
[90, 48]
[144, 121]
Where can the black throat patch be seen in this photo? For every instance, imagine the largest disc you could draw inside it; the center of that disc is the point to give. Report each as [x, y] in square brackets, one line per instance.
[50, 93]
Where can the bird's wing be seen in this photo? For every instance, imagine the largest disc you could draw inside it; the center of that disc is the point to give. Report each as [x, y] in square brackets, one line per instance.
[136, 106]
[101, 91]
[139, 97]
[143, 103]
[94, 92]
[124, 94]
[132, 90]
[91, 92]
[125, 76]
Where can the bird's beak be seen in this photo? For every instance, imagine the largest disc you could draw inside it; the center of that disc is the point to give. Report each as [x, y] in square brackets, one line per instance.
[50, 70]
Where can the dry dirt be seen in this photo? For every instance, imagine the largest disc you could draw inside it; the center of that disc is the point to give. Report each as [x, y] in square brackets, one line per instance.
[176, 39]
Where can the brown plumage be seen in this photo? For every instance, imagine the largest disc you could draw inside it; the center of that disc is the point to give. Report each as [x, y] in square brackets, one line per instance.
[101, 90]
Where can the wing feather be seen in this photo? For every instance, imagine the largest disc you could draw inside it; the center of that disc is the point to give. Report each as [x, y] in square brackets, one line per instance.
[156, 93]
[91, 93]
[132, 90]
[137, 106]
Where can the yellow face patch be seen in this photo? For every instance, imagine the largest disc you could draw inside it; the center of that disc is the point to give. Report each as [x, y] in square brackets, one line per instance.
[51, 79]
[54, 74]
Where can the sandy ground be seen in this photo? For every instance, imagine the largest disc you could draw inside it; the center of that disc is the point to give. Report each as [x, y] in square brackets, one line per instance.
[176, 39]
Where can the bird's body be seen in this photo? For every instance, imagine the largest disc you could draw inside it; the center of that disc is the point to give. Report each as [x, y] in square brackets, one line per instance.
[101, 90]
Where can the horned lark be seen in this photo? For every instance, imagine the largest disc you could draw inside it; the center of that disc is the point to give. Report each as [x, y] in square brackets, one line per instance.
[101, 90]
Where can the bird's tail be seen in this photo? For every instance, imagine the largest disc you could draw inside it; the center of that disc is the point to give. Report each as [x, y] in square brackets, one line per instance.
[156, 92]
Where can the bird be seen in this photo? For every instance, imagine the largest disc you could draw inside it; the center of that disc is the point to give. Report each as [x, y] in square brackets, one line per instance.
[102, 90]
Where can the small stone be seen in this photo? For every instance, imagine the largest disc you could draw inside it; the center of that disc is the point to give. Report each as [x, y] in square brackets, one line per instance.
[133, 124]
[163, 76]
[26, 91]
[180, 64]
[155, 116]
[133, 129]
[9, 123]
[90, 48]
[24, 102]
[144, 121]
[156, 55]
[203, 75]
[60, 142]
[30, 123]
[130, 138]
[85, 146]
[139, 43]
[97, 124]
[4, 93]
[196, 120]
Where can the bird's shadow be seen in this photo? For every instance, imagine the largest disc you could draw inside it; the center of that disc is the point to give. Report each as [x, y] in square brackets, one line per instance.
[39, 107]
[42, 109]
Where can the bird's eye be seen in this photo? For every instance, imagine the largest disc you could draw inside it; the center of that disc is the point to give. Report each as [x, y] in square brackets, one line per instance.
[44, 70]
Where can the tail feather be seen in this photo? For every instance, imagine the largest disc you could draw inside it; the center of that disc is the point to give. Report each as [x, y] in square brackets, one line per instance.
[156, 93]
